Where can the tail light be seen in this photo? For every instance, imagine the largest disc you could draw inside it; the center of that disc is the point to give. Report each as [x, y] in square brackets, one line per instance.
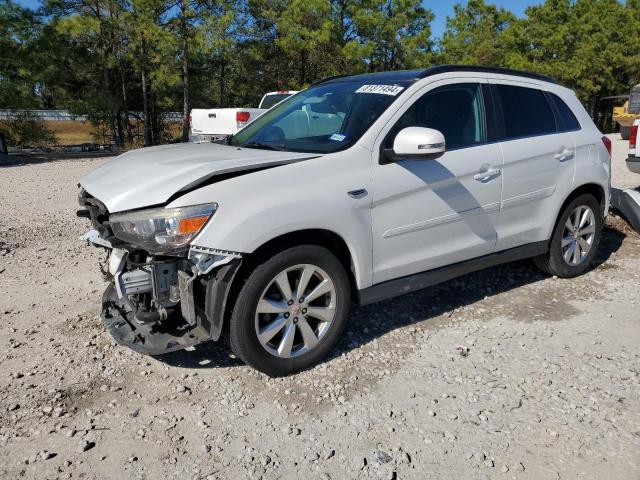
[242, 118]
[607, 144]
[633, 136]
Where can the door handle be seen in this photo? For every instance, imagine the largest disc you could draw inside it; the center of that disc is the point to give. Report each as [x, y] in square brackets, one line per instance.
[564, 155]
[487, 175]
[359, 193]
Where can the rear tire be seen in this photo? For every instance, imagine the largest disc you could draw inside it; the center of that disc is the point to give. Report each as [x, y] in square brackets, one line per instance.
[625, 132]
[575, 239]
[282, 322]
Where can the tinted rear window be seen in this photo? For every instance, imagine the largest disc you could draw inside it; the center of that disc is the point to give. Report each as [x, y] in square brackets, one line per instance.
[270, 100]
[526, 112]
[567, 120]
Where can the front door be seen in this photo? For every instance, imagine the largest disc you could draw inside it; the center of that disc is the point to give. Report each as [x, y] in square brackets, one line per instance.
[430, 213]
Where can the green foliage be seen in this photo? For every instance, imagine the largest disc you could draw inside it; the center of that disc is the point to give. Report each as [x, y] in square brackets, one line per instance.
[25, 130]
[111, 59]
[588, 45]
[475, 34]
[390, 34]
[18, 29]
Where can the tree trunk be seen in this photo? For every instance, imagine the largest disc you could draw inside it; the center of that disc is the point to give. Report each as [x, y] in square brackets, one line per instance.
[221, 80]
[120, 128]
[145, 107]
[125, 104]
[302, 70]
[186, 108]
[155, 128]
[185, 74]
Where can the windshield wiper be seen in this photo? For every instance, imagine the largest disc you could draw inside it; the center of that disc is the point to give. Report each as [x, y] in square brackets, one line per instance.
[265, 146]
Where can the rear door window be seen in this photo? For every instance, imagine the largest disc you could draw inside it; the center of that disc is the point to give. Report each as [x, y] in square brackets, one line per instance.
[526, 112]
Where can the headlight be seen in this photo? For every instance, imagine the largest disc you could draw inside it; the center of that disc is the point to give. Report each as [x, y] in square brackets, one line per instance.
[162, 230]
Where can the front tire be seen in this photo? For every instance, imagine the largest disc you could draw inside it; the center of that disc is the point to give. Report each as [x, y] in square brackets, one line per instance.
[291, 311]
[575, 239]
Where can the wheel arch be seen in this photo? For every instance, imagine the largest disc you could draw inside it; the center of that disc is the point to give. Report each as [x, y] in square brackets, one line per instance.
[594, 189]
[332, 241]
[320, 237]
[591, 188]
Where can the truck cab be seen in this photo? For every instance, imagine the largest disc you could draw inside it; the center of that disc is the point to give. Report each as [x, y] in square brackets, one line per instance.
[215, 124]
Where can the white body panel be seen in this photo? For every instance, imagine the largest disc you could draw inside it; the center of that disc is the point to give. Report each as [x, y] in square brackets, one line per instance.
[150, 176]
[431, 213]
[256, 208]
[416, 214]
[633, 160]
[219, 121]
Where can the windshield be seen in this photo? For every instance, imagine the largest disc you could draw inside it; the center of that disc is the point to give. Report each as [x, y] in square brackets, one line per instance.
[270, 100]
[323, 119]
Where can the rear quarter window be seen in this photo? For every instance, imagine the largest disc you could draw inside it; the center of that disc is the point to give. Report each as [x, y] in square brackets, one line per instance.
[567, 121]
[526, 112]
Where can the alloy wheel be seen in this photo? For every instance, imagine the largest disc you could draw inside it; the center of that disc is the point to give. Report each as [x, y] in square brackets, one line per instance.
[295, 311]
[578, 235]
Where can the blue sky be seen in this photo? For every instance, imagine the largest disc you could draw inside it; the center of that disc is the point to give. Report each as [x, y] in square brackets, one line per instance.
[441, 8]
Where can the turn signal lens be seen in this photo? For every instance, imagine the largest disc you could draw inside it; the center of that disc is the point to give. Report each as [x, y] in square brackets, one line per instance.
[191, 225]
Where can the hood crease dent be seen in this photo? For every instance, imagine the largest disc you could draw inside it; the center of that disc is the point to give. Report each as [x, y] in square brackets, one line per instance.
[152, 176]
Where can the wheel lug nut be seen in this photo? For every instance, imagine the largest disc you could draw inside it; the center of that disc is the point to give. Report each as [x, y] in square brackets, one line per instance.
[301, 299]
[286, 315]
[290, 302]
[304, 310]
[295, 319]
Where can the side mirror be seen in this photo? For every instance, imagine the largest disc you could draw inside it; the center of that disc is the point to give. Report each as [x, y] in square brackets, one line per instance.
[416, 143]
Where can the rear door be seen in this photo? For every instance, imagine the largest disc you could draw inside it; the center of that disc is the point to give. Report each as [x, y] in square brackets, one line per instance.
[539, 162]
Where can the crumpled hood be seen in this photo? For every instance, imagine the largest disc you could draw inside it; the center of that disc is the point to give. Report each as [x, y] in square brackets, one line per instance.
[150, 176]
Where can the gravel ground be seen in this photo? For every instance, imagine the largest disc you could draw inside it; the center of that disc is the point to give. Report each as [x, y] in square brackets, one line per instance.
[500, 374]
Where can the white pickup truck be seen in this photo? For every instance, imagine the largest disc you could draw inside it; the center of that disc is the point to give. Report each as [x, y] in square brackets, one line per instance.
[212, 124]
[633, 160]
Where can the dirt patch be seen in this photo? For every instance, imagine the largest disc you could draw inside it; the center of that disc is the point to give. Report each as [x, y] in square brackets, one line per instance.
[504, 373]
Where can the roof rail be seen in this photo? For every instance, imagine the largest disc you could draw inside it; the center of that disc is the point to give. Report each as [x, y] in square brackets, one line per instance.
[484, 69]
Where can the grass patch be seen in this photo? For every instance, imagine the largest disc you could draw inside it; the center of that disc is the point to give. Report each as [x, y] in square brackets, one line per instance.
[73, 133]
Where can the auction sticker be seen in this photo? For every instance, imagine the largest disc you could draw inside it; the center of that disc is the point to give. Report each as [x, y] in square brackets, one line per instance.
[392, 90]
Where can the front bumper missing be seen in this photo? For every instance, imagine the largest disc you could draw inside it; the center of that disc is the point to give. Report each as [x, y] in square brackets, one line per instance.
[147, 338]
[193, 325]
[200, 304]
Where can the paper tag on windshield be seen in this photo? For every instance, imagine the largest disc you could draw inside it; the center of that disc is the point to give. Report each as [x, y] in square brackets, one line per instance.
[392, 90]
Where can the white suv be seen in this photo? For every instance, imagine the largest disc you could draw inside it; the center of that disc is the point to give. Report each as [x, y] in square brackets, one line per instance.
[355, 190]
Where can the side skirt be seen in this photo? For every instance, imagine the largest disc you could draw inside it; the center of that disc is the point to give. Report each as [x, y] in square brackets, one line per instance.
[418, 281]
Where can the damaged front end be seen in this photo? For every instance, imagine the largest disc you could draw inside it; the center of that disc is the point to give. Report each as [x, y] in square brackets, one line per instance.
[164, 294]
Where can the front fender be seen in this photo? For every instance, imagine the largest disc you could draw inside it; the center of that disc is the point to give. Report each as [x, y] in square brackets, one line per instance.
[261, 206]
